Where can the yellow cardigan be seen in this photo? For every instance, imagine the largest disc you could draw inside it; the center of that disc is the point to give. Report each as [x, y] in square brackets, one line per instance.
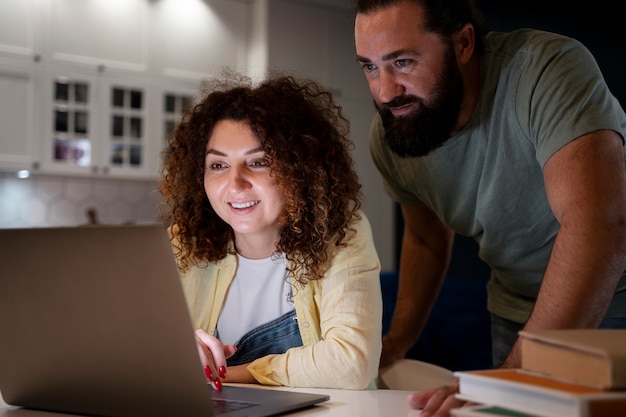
[339, 316]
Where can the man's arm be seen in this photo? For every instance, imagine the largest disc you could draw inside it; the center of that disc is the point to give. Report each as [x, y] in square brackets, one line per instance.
[586, 187]
[424, 259]
[585, 183]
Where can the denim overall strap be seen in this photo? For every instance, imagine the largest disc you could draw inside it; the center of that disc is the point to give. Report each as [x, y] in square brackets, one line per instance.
[275, 336]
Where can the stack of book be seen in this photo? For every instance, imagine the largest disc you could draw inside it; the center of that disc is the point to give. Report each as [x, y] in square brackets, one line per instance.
[563, 373]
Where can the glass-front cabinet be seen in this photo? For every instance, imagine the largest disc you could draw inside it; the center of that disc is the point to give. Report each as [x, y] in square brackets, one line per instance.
[97, 125]
[174, 105]
[72, 140]
[175, 102]
[126, 133]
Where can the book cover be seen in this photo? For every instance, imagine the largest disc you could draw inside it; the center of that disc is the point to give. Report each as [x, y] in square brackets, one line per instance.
[533, 394]
[590, 357]
[488, 411]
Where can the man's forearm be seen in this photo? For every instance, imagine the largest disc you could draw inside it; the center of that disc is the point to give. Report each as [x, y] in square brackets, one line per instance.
[579, 283]
[420, 278]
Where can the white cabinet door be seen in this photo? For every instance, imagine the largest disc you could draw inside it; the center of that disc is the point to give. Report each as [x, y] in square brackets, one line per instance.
[19, 31]
[96, 33]
[126, 108]
[17, 93]
[174, 97]
[197, 39]
[67, 122]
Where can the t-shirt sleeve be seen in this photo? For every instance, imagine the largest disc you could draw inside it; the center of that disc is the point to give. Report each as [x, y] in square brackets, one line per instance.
[562, 95]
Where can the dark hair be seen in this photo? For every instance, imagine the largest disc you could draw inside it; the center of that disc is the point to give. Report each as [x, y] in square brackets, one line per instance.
[444, 17]
[305, 137]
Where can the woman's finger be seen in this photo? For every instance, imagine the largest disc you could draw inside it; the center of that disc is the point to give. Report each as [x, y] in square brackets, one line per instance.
[211, 352]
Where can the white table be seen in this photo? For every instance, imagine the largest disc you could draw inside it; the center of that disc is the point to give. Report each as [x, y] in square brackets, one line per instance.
[365, 403]
[342, 403]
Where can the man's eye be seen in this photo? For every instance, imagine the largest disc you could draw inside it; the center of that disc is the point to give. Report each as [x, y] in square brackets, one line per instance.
[368, 67]
[403, 62]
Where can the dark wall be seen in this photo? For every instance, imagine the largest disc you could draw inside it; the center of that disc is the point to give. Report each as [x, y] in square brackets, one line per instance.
[597, 24]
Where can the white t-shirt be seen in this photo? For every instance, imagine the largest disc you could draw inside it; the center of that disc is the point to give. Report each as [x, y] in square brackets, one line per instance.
[259, 293]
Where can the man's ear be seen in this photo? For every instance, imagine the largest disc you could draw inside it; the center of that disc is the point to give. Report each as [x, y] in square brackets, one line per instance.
[464, 43]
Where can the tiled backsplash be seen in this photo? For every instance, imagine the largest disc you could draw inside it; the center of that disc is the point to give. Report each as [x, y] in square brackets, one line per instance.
[41, 201]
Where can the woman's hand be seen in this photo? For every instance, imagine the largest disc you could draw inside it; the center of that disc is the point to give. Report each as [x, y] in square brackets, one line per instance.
[213, 355]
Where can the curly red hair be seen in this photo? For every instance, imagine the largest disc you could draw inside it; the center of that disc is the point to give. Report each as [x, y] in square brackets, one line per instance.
[306, 140]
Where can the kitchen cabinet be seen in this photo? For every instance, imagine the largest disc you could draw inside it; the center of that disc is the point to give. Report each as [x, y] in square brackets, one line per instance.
[174, 98]
[92, 123]
[92, 88]
[17, 97]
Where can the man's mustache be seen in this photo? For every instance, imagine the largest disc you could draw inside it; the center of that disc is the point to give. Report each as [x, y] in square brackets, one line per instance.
[398, 102]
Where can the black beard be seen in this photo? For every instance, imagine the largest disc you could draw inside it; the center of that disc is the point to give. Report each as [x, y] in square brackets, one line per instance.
[429, 126]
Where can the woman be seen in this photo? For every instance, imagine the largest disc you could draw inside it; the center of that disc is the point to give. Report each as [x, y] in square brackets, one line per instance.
[277, 260]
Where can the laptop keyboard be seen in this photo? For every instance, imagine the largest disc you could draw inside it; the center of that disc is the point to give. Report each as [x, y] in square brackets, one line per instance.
[223, 406]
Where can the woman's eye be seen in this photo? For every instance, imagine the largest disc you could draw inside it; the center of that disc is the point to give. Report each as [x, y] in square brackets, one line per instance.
[259, 163]
[216, 165]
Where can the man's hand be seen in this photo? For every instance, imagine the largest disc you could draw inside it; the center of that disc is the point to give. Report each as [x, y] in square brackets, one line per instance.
[437, 402]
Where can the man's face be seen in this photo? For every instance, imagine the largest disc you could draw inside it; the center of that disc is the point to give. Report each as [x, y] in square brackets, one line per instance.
[413, 77]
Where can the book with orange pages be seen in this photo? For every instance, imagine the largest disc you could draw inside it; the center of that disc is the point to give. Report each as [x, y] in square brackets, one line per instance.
[541, 396]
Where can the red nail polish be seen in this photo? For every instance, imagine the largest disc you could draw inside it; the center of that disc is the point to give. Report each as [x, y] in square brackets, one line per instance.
[218, 384]
[207, 372]
[222, 371]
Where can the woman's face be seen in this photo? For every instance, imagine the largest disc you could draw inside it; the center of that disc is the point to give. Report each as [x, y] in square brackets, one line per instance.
[238, 184]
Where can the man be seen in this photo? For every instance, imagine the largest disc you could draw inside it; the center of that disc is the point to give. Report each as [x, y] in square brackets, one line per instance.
[513, 139]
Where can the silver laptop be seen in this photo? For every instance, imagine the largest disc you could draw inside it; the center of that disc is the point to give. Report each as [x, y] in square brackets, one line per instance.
[93, 321]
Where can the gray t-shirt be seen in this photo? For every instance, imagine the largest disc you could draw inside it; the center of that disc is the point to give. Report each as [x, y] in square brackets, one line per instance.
[539, 91]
